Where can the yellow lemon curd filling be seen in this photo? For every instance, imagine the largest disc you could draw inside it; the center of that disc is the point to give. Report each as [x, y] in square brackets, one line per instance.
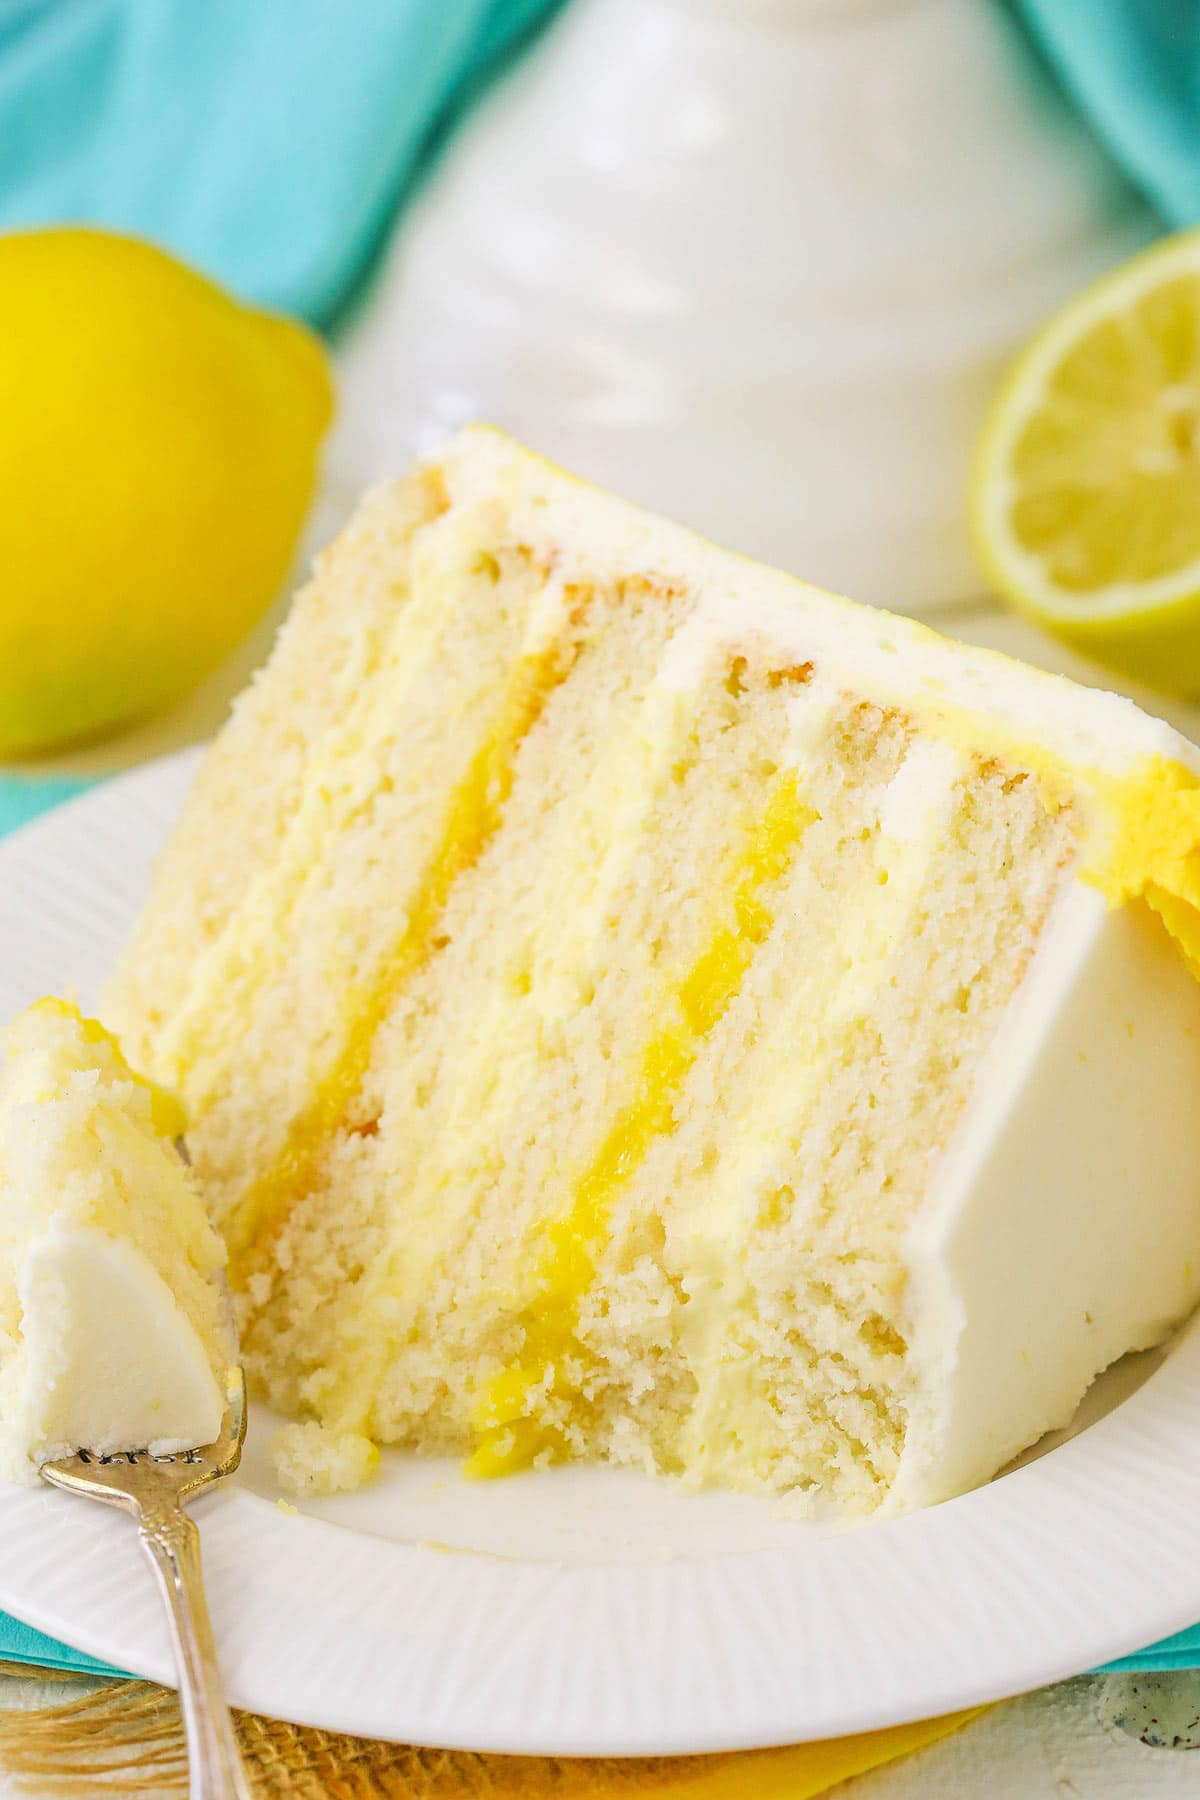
[508, 1438]
[1145, 844]
[1152, 852]
[523, 1357]
[473, 815]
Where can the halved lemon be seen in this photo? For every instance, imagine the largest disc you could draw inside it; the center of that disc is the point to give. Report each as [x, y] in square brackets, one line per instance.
[1085, 491]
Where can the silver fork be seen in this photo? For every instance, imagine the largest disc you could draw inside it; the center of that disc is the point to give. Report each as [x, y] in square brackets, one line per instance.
[154, 1489]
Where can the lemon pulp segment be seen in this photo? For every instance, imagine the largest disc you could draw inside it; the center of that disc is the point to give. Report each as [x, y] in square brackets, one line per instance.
[1106, 471]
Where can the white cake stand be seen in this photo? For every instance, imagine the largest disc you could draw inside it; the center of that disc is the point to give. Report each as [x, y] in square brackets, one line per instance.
[755, 263]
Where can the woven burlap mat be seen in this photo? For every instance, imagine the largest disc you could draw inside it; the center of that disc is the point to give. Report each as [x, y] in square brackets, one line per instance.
[126, 1737]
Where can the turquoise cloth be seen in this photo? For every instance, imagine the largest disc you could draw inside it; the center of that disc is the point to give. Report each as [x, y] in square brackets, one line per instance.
[1133, 66]
[269, 143]
[1179, 1652]
[22, 1644]
[21, 799]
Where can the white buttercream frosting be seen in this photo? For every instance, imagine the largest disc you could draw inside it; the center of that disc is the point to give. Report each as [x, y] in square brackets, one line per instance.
[112, 1360]
[1063, 1227]
[113, 1330]
[863, 648]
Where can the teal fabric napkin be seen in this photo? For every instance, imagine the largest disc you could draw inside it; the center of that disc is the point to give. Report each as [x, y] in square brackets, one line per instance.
[1133, 66]
[21, 799]
[268, 144]
[22, 1644]
[1179, 1652]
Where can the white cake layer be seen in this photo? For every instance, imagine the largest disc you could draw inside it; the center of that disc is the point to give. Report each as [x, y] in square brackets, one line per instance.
[1064, 1226]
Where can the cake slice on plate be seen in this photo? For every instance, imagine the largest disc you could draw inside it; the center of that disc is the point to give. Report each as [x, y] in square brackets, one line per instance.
[111, 1328]
[633, 1006]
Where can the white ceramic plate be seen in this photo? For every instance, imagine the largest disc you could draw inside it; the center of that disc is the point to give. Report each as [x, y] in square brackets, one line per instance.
[584, 1611]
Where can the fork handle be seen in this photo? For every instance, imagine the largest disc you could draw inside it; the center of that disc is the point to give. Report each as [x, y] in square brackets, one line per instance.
[215, 1771]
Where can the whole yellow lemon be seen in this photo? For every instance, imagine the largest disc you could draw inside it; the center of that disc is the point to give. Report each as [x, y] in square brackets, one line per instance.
[158, 449]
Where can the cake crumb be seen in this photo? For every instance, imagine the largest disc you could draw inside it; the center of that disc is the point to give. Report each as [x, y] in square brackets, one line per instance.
[285, 1506]
[313, 1459]
[259, 1289]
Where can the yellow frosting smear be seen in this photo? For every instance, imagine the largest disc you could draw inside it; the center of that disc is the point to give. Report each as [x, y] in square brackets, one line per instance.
[1154, 852]
[166, 1109]
[508, 1439]
[473, 816]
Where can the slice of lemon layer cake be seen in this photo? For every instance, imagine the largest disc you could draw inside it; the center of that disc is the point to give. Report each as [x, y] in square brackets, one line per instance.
[632, 1006]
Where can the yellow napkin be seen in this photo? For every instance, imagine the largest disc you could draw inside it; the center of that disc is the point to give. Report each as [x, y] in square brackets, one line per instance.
[797, 1773]
[73, 1749]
